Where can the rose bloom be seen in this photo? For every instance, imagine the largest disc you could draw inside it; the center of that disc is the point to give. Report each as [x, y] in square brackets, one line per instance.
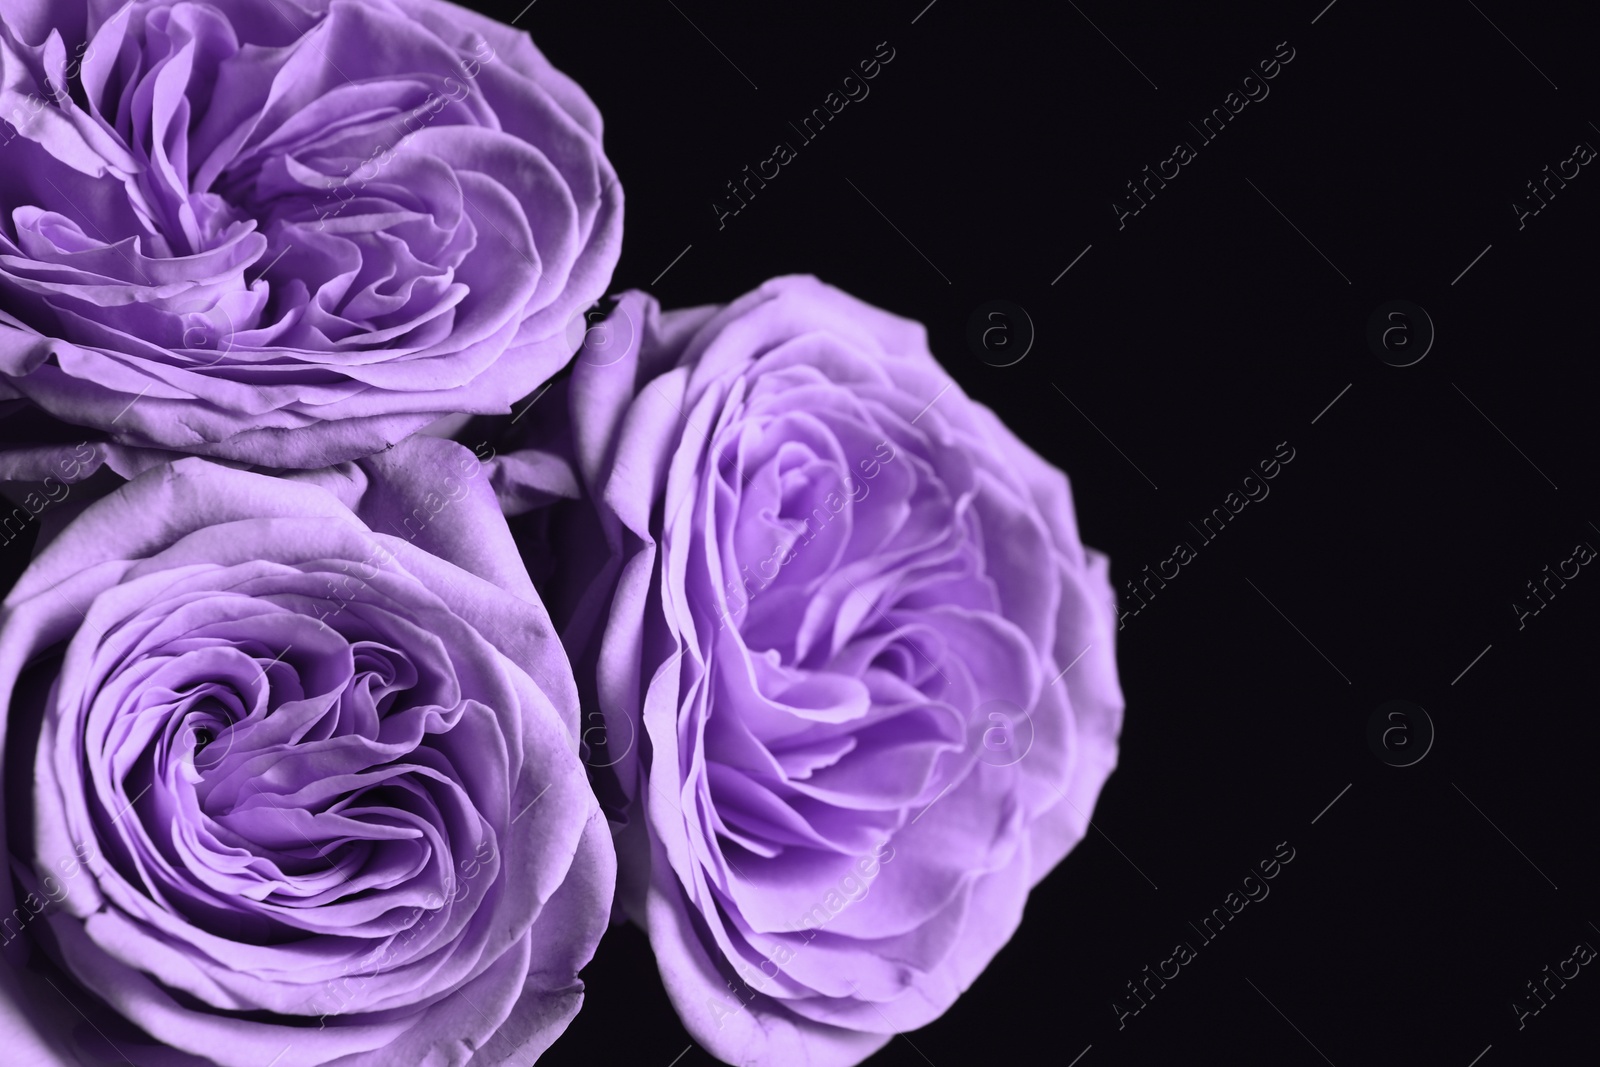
[289, 232]
[291, 776]
[856, 669]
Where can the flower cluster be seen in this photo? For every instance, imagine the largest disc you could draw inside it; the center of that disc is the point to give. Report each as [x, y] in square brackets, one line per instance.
[344, 710]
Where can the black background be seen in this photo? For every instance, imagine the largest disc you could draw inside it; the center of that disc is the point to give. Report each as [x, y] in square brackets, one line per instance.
[1199, 336]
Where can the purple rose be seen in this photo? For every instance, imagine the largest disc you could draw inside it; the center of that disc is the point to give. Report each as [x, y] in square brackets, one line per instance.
[289, 232]
[305, 785]
[857, 669]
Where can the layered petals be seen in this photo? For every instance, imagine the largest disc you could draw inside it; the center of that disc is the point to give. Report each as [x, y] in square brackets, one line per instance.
[305, 775]
[857, 671]
[289, 234]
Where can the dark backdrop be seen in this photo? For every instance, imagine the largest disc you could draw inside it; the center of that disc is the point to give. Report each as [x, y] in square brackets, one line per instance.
[1185, 344]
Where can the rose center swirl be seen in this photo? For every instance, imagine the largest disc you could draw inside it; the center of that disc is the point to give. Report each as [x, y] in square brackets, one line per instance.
[271, 775]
